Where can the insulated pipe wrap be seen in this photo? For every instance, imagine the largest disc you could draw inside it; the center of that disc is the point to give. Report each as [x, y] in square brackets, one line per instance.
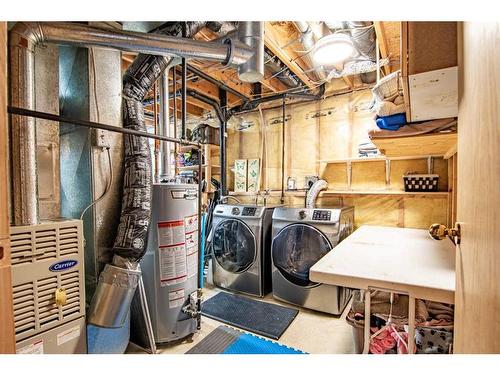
[131, 240]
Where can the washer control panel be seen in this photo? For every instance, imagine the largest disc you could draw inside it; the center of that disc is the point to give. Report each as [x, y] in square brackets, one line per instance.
[322, 215]
[249, 211]
[235, 211]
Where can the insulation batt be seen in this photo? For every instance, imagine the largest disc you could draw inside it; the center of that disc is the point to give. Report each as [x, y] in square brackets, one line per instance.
[131, 240]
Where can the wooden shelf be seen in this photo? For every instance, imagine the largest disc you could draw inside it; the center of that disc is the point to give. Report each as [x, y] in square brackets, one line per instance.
[186, 148]
[298, 193]
[376, 192]
[422, 145]
[188, 168]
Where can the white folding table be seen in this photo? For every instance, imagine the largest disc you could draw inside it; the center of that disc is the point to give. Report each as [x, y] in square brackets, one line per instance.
[401, 260]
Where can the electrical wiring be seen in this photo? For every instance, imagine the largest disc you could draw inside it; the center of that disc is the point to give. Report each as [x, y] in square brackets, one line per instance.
[110, 182]
[108, 186]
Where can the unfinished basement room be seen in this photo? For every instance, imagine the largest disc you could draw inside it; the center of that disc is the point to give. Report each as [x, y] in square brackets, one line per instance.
[247, 179]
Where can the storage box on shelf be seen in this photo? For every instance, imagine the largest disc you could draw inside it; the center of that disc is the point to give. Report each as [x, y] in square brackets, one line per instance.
[349, 167]
[429, 70]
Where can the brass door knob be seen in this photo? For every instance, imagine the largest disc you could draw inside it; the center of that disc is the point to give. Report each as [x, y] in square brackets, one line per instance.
[440, 232]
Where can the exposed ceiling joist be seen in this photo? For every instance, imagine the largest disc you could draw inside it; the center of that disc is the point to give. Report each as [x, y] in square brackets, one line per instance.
[274, 41]
[349, 81]
[193, 109]
[382, 43]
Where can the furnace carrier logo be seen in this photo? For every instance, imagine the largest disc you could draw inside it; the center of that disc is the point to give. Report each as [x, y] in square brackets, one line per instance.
[63, 265]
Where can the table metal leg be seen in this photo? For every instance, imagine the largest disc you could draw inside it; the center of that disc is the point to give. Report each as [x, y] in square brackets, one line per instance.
[411, 324]
[366, 343]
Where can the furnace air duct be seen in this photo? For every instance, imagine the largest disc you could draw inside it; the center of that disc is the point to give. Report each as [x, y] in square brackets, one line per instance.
[25, 36]
[307, 39]
[252, 35]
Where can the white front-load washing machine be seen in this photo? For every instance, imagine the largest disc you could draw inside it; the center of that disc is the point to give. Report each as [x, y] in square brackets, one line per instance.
[301, 237]
[241, 246]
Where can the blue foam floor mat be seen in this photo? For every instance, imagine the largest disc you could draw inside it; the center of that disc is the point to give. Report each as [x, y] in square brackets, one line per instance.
[226, 340]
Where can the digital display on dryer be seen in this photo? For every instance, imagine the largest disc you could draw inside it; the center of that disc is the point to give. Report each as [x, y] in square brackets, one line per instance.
[322, 215]
[249, 211]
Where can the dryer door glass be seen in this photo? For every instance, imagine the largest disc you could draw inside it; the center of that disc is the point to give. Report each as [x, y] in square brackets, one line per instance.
[234, 246]
[296, 249]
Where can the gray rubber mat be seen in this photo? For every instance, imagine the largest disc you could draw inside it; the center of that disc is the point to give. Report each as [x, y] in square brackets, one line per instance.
[259, 317]
[216, 341]
[227, 340]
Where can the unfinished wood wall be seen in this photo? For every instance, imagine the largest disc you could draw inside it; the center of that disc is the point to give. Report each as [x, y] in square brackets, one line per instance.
[326, 130]
[7, 340]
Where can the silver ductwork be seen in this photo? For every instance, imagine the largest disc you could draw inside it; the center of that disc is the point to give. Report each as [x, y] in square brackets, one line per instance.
[23, 142]
[165, 159]
[363, 38]
[364, 62]
[280, 71]
[23, 38]
[151, 44]
[251, 34]
[307, 40]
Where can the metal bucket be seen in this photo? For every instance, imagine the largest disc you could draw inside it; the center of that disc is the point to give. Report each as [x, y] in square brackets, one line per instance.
[113, 296]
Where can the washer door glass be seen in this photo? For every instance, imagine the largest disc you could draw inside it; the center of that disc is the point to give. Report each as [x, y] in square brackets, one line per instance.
[296, 249]
[234, 246]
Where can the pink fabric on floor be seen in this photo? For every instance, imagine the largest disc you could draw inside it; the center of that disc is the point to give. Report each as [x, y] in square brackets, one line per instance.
[383, 342]
[402, 338]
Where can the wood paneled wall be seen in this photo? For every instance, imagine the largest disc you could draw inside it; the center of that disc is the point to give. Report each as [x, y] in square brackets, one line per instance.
[7, 339]
[326, 130]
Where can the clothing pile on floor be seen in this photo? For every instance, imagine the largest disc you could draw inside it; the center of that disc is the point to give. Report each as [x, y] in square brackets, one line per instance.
[433, 323]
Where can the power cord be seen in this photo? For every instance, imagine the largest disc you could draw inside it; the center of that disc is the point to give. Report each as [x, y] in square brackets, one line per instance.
[108, 186]
[110, 182]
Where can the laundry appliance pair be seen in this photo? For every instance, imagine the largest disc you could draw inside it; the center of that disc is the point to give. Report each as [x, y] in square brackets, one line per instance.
[259, 249]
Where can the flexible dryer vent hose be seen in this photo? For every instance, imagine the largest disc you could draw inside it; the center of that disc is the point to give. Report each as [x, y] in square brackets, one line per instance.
[313, 192]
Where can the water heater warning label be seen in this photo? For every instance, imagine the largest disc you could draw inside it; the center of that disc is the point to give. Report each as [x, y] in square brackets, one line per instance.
[176, 298]
[191, 228]
[170, 233]
[172, 252]
[191, 223]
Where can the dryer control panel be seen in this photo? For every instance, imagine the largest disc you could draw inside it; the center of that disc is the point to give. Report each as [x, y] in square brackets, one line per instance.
[249, 211]
[322, 215]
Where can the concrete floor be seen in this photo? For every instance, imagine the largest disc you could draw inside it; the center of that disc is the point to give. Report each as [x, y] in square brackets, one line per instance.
[312, 332]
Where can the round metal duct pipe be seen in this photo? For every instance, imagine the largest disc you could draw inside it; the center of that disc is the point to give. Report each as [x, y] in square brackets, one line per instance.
[252, 35]
[23, 141]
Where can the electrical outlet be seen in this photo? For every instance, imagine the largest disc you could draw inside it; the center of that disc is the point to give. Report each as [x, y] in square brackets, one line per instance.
[101, 138]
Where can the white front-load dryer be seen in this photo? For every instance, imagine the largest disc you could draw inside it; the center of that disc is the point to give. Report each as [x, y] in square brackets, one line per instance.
[241, 246]
[301, 237]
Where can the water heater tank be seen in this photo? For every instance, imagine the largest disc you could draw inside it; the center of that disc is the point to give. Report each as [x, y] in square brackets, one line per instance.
[170, 266]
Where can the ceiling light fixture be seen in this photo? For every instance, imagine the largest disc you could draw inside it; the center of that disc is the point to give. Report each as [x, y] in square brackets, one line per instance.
[332, 49]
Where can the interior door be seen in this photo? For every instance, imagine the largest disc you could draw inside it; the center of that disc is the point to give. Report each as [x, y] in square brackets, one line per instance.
[477, 298]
